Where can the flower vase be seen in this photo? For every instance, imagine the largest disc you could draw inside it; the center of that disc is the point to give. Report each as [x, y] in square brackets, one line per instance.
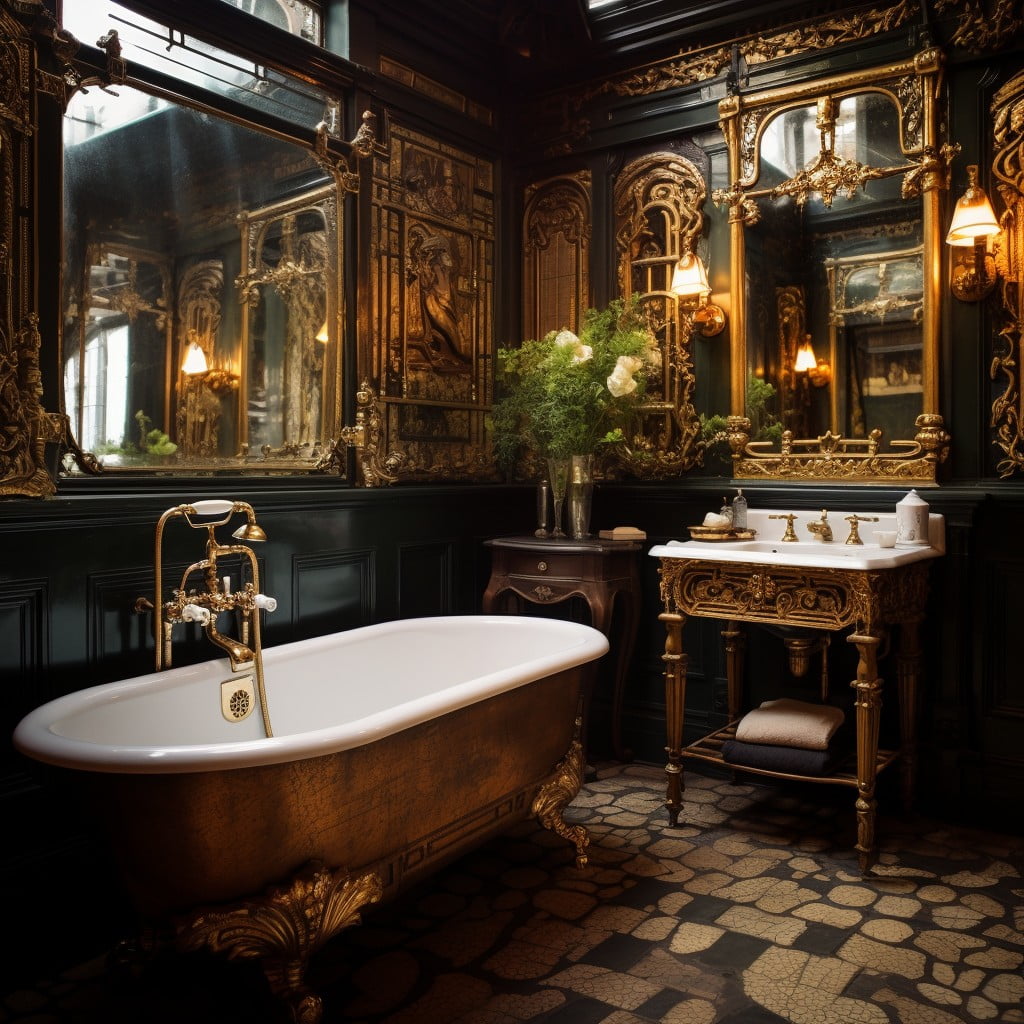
[558, 476]
[581, 492]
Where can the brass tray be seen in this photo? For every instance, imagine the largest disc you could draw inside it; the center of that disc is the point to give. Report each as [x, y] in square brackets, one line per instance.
[720, 533]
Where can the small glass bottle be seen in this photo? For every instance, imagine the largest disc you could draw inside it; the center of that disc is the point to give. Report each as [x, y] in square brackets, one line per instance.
[543, 509]
[726, 509]
[739, 511]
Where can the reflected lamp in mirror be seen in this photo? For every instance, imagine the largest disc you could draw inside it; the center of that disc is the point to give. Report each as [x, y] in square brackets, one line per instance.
[196, 368]
[323, 335]
[973, 270]
[690, 284]
[195, 360]
[818, 371]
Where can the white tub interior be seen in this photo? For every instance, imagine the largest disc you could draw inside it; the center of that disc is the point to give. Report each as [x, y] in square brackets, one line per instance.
[324, 694]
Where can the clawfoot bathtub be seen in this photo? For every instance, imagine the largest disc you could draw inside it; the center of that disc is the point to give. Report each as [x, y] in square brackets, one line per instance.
[396, 748]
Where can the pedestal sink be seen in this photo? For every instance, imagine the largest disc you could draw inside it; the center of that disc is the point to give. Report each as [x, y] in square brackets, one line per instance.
[864, 589]
[768, 547]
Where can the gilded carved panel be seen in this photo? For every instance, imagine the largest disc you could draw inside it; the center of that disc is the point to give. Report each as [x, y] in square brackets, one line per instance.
[1008, 169]
[556, 253]
[431, 310]
[658, 211]
[25, 426]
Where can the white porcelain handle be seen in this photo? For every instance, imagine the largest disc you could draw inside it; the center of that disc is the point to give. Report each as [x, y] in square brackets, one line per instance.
[195, 613]
[213, 507]
[262, 601]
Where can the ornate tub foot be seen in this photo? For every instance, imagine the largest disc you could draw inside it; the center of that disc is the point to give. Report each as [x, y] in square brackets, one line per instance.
[283, 928]
[557, 793]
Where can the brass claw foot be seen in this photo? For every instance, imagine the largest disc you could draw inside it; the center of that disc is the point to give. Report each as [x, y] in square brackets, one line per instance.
[557, 793]
[284, 928]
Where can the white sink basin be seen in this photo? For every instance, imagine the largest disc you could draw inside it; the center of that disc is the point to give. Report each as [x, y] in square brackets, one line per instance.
[768, 548]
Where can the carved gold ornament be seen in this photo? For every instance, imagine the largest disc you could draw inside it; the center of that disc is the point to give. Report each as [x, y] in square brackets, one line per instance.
[1008, 168]
[284, 928]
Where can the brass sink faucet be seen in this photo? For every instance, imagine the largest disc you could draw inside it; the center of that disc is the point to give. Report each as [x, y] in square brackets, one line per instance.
[822, 528]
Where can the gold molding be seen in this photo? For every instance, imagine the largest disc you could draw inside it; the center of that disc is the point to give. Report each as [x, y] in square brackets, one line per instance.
[1007, 417]
[703, 64]
[983, 24]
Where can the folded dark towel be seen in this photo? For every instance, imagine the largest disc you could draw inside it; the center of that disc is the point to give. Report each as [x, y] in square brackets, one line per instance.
[775, 758]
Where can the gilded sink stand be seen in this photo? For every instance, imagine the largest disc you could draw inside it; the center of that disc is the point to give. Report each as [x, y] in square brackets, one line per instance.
[829, 598]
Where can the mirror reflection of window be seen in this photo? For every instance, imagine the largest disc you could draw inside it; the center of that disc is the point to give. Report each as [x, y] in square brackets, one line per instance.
[96, 392]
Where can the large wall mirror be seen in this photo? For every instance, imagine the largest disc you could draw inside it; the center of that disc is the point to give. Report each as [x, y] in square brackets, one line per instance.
[834, 220]
[202, 268]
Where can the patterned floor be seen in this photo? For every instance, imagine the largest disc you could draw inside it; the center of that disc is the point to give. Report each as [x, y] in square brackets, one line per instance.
[751, 912]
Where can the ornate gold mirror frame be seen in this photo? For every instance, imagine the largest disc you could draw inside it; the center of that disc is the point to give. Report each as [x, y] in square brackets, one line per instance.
[200, 407]
[912, 87]
[25, 426]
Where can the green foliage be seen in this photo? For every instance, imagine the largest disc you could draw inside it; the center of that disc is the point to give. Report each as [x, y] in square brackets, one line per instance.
[764, 424]
[150, 443]
[554, 394]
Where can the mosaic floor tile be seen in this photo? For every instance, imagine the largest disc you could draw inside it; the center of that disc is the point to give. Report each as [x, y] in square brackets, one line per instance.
[752, 911]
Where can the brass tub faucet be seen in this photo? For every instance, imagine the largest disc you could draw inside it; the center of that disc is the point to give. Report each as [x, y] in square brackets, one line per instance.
[203, 604]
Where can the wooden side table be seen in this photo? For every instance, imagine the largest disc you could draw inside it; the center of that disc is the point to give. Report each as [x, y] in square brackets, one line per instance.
[605, 573]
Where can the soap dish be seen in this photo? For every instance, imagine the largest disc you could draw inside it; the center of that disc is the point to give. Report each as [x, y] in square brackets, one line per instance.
[720, 533]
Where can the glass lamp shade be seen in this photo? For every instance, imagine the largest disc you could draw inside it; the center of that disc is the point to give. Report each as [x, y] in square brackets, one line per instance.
[690, 280]
[805, 358]
[973, 216]
[195, 360]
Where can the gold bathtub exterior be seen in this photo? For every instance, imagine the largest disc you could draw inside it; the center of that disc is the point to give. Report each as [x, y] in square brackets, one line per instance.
[269, 862]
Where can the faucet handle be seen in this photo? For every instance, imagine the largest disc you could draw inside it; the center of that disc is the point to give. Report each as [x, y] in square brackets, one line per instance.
[262, 601]
[195, 613]
[790, 518]
[854, 522]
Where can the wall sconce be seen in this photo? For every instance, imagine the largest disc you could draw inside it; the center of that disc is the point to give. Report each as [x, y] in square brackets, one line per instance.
[818, 371]
[196, 369]
[690, 283]
[973, 270]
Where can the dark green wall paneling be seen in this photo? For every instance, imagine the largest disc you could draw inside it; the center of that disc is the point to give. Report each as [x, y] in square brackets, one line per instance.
[339, 557]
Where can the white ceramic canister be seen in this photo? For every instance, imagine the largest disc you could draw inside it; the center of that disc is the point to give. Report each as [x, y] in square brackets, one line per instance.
[912, 520]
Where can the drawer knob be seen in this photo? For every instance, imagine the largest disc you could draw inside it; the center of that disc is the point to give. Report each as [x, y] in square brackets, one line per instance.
[542, 567]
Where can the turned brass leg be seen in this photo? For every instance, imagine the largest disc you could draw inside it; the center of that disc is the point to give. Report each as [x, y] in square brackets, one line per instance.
[283, 928]
[675, 703]
[735, 650]
[558, 792]
[868, 704]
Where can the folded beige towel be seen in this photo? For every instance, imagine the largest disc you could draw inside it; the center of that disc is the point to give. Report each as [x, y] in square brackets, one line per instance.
[790, 723]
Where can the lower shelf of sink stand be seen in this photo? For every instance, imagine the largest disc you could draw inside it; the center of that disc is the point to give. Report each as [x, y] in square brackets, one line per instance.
[709, 748]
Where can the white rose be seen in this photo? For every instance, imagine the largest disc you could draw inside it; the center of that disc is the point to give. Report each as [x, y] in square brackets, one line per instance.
[621, 382]
[582, 354]
[566, 338]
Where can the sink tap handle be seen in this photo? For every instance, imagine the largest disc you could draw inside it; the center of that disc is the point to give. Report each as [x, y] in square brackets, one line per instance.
[790, 517]
[262, 601]
[855, 522]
